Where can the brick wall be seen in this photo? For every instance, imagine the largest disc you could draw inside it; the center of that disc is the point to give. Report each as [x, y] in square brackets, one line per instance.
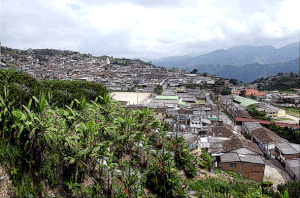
[247, 170]
[226, 166]
[253, 171]
[291, 156]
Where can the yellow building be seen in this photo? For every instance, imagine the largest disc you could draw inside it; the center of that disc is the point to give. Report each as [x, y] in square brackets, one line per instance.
[271, 111]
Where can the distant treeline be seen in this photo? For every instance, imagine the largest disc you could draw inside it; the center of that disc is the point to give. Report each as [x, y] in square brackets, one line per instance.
[279, 82]
[23, 87]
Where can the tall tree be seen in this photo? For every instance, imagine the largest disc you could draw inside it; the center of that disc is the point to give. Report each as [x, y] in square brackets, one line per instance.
[158, 90]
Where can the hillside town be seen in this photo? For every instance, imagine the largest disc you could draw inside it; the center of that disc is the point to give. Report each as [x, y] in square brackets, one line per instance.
[207, 120]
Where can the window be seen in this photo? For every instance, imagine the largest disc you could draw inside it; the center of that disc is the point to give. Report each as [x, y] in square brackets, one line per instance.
[232, 164]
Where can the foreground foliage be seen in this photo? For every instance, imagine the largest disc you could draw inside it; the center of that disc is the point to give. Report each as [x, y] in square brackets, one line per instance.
[87, 149]
[23, 87]
[93, 148]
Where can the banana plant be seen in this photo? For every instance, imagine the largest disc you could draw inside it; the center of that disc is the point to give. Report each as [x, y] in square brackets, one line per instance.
[128, 134]
[81, 104]
[72, 116]
[93, 147]
[6, 106]
[40, 103]
[131, 181]
[35, 133]
[111, 171]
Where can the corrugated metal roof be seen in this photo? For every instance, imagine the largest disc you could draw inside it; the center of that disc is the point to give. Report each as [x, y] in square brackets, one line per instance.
[230, 157]
[267, 122]
[164, 101]
[294, 165]
[181, 103]
[296, 146]
[286, 148]
[167, 97]
[244, 101]
[234, 157]
[256, 159]
[252, 125]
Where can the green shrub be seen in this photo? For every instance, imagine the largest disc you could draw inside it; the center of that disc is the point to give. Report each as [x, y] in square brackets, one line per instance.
[217, 187]
[292, 187]
[206, 160]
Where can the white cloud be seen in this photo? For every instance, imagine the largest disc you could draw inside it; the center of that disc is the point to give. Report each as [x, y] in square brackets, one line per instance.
[289, 15]
[150, 28]
[236, 26]
[272, 29]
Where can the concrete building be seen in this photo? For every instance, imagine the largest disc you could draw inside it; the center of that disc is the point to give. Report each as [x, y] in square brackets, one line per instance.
[107, 61]
[271, 111]
[285, 151]
[248, 127]
[266, 140]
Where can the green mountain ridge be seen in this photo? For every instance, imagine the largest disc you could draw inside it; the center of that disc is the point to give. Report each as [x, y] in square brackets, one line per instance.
[236, 56]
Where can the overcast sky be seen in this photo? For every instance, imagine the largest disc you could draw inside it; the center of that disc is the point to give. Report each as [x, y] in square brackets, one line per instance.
[148, 28]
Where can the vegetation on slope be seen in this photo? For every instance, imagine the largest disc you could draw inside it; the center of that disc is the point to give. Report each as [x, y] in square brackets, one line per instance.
[281, 81]
[292, 135]
[92, 148]
[77, 149]
[22, 88]
[255, 114]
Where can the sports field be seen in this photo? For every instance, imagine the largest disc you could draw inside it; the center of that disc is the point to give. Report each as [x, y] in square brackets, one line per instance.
[130, 96]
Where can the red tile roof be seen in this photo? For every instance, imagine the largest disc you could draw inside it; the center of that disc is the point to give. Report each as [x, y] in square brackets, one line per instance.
[267, 122]
[249, 92]
[254, 92]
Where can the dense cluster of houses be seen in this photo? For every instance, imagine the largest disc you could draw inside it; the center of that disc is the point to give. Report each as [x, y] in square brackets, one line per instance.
[239, 143]
[118, 77]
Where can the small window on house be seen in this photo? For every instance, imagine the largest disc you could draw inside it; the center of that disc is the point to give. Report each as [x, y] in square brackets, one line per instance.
[232, 164]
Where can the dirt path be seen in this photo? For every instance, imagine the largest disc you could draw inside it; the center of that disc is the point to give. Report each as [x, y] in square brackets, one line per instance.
[293, 118]
[275, 173]
[4, 182]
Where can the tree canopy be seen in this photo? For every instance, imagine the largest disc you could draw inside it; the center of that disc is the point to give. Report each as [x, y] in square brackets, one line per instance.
[233, 81]
[158, 90]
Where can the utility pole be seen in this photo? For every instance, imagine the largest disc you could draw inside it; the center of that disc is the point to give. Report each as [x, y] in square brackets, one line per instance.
[137, 95]
[186, 123]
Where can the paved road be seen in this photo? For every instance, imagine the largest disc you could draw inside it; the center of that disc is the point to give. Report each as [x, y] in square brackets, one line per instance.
[293, 118]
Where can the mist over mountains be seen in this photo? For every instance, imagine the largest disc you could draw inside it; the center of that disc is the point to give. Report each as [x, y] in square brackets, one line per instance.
[245, 63]
[249, 72]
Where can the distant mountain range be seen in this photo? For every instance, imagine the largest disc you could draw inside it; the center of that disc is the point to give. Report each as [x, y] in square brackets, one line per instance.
[237, 56]
[249, 72]
[245, 63]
